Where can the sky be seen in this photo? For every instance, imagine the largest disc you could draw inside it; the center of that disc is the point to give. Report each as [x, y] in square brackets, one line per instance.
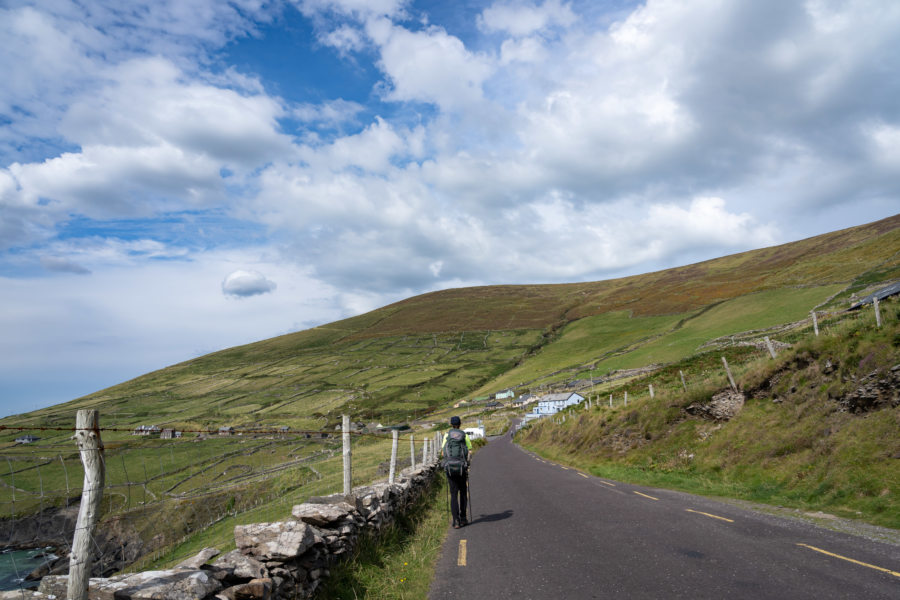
[182, 177]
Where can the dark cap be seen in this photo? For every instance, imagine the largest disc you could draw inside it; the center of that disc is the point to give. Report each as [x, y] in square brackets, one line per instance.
[454, 421]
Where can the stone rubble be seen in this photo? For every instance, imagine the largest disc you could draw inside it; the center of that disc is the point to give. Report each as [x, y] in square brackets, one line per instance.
[273, 561]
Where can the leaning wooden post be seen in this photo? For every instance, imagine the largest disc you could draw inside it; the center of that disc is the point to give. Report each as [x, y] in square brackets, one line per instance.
[815, 321]
[877, 312]
[770, 347]
[683, 384]
[90, 446]
[412, 452]
[347, 457]
[728, 372]
[395, 435]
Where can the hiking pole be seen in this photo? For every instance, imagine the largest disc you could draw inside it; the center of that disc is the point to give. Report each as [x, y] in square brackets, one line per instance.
[469, 496]
[449, 512]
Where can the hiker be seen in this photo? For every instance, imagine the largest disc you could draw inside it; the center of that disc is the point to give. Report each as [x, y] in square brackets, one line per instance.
[455, 452]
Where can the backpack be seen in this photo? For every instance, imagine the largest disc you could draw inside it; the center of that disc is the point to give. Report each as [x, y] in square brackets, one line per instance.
[456, 453]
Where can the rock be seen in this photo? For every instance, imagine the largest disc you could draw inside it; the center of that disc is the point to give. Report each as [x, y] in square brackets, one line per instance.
[172, 584]
[723, 406]
[198, 561]
[241, 565]
[281, 540]
[323, 515]
[23, 595]
[257, 589]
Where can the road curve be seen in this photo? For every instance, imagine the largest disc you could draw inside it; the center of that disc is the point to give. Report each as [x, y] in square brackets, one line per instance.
[541, 530]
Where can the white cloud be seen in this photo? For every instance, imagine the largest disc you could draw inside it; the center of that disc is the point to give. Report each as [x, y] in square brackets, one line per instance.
[520, 18]
[429, 66]
[242, 284]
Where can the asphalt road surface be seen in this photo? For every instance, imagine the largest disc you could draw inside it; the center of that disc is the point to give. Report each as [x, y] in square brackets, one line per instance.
[541, 530]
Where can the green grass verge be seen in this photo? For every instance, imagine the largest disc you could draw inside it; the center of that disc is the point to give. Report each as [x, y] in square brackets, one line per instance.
[399, 564]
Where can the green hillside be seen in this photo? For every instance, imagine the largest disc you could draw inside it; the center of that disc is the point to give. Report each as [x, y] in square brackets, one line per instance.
[410, 363]
[405, 360]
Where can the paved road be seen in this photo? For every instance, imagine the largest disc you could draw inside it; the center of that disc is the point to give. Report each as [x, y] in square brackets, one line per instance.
[541, 530]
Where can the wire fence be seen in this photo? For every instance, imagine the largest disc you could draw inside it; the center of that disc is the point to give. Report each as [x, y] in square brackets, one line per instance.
[159, 494]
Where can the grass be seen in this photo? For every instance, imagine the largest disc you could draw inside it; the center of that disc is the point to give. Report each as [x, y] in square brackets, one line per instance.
[792, 444]
[400, 563]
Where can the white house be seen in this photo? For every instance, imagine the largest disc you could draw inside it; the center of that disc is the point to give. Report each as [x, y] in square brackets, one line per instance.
[504, 394]
[474, 432]
[553, 403]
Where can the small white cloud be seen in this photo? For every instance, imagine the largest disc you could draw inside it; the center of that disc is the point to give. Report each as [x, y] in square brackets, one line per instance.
[242, 284]
[523, 18]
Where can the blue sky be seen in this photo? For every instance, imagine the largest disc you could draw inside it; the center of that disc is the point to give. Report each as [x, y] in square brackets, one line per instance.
[177, 178]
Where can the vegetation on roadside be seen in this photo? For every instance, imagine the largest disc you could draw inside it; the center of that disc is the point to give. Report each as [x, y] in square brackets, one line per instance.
[819, 430]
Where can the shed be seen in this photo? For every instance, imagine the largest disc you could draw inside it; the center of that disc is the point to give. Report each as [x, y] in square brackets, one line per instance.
[26, 439]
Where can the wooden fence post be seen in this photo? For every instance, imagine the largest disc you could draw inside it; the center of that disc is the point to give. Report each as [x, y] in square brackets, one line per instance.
[877, 312]
[90, 446]
[770, 347]
[683, 384]
[626, 397]
[815, 321]
[395, 435]
[424, 452]
[610, 400]
[651, 391]
[728, 372]
[412, 451]
[347, 457]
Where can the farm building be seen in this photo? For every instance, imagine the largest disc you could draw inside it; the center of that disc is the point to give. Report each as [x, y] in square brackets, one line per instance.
[553, 403]
[226, 430]
[886, 292]
[504, 394]
[27, 439]
[169, 434]
[146, 430]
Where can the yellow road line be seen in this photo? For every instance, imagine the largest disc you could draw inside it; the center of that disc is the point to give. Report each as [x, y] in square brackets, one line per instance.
[709, 515]
[607, 483]
[856, 562]
[461, 559]
[583, 475]
[566, 468]
[645, 495]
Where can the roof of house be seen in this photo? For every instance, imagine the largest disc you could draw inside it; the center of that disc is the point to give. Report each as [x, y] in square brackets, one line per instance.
[561, 397]
[881, 294]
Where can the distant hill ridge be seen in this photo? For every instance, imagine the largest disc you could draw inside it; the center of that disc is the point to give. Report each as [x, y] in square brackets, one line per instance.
[837, 257]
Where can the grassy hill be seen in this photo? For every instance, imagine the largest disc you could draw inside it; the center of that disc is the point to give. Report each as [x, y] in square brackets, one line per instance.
[412, 357]
[411, 362]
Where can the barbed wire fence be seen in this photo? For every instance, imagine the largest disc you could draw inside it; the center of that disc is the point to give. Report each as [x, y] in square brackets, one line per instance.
[157, 495]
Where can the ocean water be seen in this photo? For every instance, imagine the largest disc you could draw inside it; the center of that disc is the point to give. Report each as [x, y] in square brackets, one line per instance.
[16, 564]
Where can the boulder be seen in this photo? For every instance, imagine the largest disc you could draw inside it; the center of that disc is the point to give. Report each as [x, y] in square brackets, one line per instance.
[241, 566]
[202, 558]
[257, 589]
[280, 541]
[172, 584]
[323, 515]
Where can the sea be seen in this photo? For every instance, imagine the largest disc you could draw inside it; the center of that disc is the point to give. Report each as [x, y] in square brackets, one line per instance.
[16, 564]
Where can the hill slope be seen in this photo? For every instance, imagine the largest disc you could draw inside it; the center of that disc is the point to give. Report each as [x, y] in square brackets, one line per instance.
[427, 352]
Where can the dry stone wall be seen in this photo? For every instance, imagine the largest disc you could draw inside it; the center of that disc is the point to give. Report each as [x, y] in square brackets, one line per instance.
[273, 561]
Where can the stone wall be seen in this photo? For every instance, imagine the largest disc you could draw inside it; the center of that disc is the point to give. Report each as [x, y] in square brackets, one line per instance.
[273, 561]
